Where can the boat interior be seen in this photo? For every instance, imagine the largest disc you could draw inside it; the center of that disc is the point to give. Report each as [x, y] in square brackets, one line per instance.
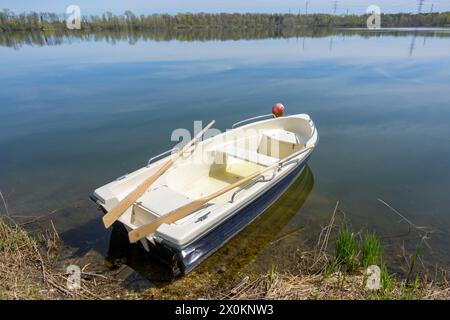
[215, 164]
[232, 161]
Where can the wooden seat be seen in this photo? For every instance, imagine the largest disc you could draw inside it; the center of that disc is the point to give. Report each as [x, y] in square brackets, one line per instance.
[279, 143]
[247, 155]
[282, 136]
[160, 201]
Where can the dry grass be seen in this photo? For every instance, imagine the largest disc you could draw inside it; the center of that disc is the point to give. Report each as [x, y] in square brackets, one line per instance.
[29, 269]
[315, 280]
[284, 286]
[299, 287]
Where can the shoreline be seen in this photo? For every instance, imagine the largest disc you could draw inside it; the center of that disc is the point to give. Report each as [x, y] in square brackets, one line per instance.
[32, 269]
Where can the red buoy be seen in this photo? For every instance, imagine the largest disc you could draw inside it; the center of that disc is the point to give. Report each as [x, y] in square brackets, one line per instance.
[278, 110]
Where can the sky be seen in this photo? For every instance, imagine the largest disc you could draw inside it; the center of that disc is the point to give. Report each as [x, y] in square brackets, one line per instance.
[263, 6]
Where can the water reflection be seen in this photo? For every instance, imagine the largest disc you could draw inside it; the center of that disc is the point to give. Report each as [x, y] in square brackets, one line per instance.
[237, 254]
[18, 39]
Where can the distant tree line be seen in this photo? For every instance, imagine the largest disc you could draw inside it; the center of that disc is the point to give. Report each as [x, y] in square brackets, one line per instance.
[34, 21]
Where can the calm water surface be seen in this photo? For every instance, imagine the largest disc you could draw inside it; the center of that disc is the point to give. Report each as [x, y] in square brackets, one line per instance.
[76, 115]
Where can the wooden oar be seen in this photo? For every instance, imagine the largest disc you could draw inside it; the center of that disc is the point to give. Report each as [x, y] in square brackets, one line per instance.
[122, 206]
[193, 206]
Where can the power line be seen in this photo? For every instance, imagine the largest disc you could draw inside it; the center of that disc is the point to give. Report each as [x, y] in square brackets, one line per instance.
[421, 5]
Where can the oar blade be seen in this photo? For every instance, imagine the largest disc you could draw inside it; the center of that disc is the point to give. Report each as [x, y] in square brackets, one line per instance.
[110, 218]
[128, 201]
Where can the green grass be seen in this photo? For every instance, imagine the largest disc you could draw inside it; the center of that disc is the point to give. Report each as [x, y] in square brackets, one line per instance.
[272, 275]
[345, 251]
[348, 261]
[388, 283]
[412, 263]
[371, 250]
[394, 289]
[3, 295]
[34, 292]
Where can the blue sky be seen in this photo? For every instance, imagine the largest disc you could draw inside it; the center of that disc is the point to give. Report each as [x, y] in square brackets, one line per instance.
[174, 6]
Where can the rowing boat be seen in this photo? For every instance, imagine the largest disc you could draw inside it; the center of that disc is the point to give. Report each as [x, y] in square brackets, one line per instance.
[211, 190]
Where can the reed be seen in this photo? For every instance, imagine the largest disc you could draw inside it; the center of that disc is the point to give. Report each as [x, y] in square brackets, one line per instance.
[371, 250]
[345, 251]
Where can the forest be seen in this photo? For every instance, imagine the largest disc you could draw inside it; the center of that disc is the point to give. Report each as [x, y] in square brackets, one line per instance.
[44, 21]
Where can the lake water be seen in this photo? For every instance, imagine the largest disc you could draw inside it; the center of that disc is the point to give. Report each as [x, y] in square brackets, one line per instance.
[77, 113]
